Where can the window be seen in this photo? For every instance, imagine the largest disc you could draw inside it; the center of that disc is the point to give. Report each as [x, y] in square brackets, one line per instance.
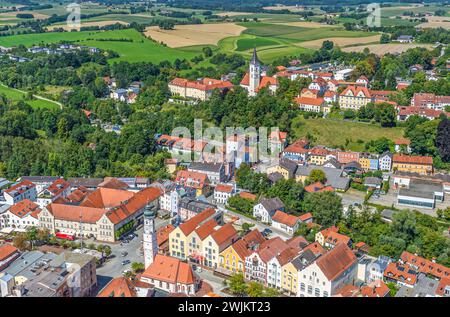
[309, 289]
[316, 292]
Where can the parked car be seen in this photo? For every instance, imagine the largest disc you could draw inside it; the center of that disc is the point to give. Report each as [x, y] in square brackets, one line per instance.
[267, 232]
[124, 253]
[125, 262]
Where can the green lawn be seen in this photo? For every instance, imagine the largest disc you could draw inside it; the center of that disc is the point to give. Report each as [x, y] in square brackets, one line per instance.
[244, 44]
[141, 49]
[16, 95]
[269, 29]
[337, 133]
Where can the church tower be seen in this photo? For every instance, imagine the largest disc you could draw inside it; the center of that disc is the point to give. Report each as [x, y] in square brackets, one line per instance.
[254, 74]
[149, 237]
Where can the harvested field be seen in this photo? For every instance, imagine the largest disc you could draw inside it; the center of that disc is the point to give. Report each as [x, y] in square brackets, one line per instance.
[232, 13]
[196, 34]
[36, 15]
[340, 41]
[436, 22]
[86, 24]
[284, 7]
[381, 49]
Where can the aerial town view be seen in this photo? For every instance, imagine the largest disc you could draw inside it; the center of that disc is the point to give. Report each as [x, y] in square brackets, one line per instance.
[205, 149]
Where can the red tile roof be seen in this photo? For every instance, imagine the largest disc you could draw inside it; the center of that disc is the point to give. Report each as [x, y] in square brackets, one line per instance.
[444, 284]
[58, 186]
[271, 248]
[118, 287]
[205, 84]
[305, 217]
[375, 289]
[192, 223]
[225, 235]
[309, 101]
[425, 266]
[224, 188]
[113, 183]
[336, 261]
[107, 198]
[192, 179]
[171, 270]
[402, 141]
[21, 187]
[242, 246]
[284, 218]
[399, 272]
[206, 229]
[6, 251]
[247, 195]
[24, 208]
[162, 234]
[356, 90]
[315, 248]
[318, 187]
[410, 159]
[334, 238]
[298, 146]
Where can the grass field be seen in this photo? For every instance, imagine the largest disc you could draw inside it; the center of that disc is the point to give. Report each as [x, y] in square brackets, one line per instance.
[141, 49]
[382, 49]
[17, 95]
[337, 133]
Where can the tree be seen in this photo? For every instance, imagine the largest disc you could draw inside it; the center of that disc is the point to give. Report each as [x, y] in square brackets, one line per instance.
[207, 51]
[137, 267]
[404, 225]
[237, 285]
[443, 140]
[317, 175]
[326, 207]
[289, 191]
[255, 289]
[327, 45]
[21, 242]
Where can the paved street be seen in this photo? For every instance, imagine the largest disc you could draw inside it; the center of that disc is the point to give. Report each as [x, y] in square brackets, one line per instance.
[258, 225]
[216, 282]
[113, 267]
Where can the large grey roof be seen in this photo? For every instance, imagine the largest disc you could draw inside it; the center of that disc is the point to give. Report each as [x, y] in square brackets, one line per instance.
[304, 259]
[271, 204]
[40, 179]
[207, 167]
[289, 165]
[421, 189]
[333, 175]
[425, 286]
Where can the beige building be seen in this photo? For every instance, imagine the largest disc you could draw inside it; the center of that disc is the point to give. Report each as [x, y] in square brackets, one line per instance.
[104, 214]
[354, 97]
[201, 89]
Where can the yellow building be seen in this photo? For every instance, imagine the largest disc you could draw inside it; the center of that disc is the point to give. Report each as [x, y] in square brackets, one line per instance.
[216, 242]
[354, 97]
[179, 237]
[364, 162]
[289, 277]
[232, 259]
[413, 164]
[285, 167]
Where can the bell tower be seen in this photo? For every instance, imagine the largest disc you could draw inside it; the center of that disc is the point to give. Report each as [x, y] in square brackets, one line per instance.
[254, 74]
[149, 236]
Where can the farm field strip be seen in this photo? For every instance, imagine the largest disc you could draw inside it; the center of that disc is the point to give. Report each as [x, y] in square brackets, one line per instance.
[18, 95]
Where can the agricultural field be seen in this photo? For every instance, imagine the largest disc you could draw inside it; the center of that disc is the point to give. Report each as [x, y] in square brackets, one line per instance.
[17, 95]
[436, 22]
[196, 34]
[337, 133]
[341, 41]
[66, 27]
[140, 49]
[381, 49]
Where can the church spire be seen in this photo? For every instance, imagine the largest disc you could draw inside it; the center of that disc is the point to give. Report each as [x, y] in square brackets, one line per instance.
[254, 59]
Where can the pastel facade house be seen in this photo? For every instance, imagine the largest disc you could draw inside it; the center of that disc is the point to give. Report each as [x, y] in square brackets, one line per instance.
[290, 270]
[180, 237]
[189, 207]
[363, 81]
[318, 84]
[23, 190]
[222, 193]
[430, 101]
[285, 167]
[354, 97]
[318, 155]
[275, 266]
[21, 216]
[232, 259]
[414, 164]
[170, 275]
[195, 180]
[266, 208]
[201, 89]
[403, 113]
[256, 263]
[385, 161]
[216, 242]
[368, 162]
[328, 274]
[297, 151]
